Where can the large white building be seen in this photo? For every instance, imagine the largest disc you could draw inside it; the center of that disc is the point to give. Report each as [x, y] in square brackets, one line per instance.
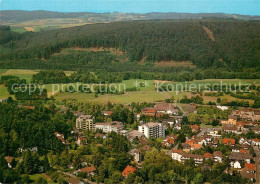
[85, 122]
[152, 129]
[114, 126]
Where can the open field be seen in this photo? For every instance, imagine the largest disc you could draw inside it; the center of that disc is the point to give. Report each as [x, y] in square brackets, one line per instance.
[46, 24]
[143, 94]
[24, 74]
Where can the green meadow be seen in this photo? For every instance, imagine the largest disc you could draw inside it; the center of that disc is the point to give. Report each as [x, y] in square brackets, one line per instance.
[146, 93]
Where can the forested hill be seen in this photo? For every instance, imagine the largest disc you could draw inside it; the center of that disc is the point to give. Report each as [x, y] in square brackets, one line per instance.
[14, 16]
[227, 44]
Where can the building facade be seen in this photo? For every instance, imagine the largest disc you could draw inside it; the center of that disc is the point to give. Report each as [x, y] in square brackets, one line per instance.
[154, 130]
[114, 126]
[85, 122]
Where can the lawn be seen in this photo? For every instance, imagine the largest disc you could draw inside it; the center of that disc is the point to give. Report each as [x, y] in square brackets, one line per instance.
[3, 92]
[24, 74]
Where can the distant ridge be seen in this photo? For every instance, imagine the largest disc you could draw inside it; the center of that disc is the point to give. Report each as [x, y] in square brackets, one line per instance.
[14, 16]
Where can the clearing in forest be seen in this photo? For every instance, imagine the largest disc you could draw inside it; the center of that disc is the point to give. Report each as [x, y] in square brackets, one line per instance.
[29, 29]
[210, 33]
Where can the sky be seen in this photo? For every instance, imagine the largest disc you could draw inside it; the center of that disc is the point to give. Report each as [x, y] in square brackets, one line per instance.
[244, 7]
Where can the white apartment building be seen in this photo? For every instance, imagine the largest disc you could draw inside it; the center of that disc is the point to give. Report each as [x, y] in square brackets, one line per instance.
[85, 122]
[152, 129]
[114, 126]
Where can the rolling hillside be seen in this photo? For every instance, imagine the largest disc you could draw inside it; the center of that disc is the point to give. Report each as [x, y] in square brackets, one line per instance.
[229, 45]
[22, 21]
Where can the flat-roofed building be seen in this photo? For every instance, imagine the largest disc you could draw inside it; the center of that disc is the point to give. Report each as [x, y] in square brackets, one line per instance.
[152, 129]
[114, 126]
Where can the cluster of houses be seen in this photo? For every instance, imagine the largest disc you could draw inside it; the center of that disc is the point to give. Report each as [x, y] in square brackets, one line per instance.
[238, 122]
[240, 158]
[160, 110]
[247, 114]
[232, 125]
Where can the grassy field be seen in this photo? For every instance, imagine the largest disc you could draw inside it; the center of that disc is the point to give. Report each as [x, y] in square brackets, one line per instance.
[144, 94]
[24, 74]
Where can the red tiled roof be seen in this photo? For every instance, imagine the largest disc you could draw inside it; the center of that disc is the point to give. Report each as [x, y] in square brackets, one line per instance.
[88, 169]
[196, 146]
[241, 123]
[108, 112]
[229, 141]
[256, 140]
[250, 167]
[244, 151]
[9, 159]
[177, 151]
[196, 127]
[191, 142]
[207, 155]
[128, 170]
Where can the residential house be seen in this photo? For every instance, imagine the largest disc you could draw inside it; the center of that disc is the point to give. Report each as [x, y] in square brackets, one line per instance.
[128, 170]
[195, 128]
[169, 141]
[229, 142]
[250, 176]
[208, 156]
[176, 154]
[240, 157]
[61, 138]
[107, 113]
[166, 108]
[244, 151]
[249, 168]
[181, 156]
[136, 154]
[149, 111]
[247, 114]
[9, 161]
[214, 143]
[217, 156]
[197, 158]
[255, 142]
[134, 134]
[177, 126]
[186, 147]
[242, 140]
[82, 140]
[231, 129]
[256, 129]
[74, 180]
[236, 165]
[85, 122]
[236, 149]
[89, 170]
[232, 120]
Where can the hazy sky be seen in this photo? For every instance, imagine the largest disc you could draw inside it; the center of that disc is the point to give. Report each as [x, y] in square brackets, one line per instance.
[247, 7]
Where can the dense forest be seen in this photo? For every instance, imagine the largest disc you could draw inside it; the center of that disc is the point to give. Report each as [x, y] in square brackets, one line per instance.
[233, 47]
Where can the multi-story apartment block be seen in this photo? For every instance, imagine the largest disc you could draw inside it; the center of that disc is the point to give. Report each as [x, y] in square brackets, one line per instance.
[152, 129]
[85, 122]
